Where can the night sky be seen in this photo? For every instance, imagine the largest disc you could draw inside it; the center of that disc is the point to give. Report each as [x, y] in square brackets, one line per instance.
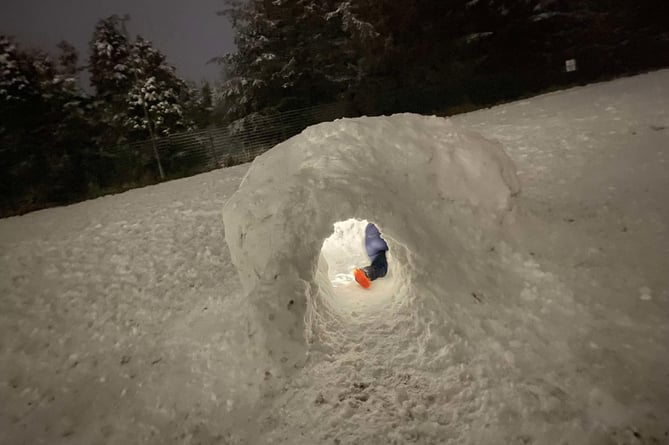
[189, 33]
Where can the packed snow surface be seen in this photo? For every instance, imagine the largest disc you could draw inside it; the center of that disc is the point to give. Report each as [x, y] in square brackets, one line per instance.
[526, 302]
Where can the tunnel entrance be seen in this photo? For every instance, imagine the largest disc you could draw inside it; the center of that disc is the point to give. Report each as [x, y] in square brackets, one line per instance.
[343, 251]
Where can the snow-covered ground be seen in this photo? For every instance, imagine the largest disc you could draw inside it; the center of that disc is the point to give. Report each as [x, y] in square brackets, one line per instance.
[539, 317]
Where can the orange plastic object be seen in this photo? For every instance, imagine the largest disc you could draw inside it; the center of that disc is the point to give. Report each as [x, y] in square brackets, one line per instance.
[361, 278]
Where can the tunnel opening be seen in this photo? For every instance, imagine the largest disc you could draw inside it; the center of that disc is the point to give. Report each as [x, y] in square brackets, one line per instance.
[341, 253]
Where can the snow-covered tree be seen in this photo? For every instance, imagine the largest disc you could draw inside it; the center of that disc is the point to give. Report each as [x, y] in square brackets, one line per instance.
[110, 77]
[292, 53]
[44, 131]
[108, 62]
[161, 103]
[198, 104]
[156, 95]
[15, 85]
[136, 89]
[19, 99]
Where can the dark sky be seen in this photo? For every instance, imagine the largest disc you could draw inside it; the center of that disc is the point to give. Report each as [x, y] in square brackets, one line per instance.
[189, 33]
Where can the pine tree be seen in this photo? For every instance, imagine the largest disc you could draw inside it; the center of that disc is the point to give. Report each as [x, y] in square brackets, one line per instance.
[157, 90]
[42, 130]
[198, 104]
[15, 86]
[109, 60]
[111, 78]
[136, 89]
[18, 101]
[292, 53]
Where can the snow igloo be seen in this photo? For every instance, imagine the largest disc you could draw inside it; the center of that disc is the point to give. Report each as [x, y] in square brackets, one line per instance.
[437, 192]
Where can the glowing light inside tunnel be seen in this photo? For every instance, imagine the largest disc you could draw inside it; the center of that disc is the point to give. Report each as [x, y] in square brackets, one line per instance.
[343, 251]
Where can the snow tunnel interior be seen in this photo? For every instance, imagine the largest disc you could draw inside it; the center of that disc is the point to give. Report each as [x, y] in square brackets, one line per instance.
[343, 251]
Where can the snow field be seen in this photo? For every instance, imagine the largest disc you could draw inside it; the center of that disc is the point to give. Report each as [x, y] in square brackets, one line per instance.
[538, 317]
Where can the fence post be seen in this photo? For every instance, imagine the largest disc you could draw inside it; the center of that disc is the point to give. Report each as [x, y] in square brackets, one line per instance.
[212, 147]
[153, 142]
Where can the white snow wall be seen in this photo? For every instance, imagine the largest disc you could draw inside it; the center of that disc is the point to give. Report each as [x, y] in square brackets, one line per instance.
[439, 194]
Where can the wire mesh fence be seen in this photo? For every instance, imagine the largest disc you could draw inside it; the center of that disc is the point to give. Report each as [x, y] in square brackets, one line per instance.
[202, 150]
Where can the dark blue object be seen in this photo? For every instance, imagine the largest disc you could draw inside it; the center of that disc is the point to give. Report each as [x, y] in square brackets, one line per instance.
[376, 251]
[374, 244]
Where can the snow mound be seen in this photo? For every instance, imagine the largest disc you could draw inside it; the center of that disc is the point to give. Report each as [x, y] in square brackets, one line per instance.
[466, 320]
[436, 191]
